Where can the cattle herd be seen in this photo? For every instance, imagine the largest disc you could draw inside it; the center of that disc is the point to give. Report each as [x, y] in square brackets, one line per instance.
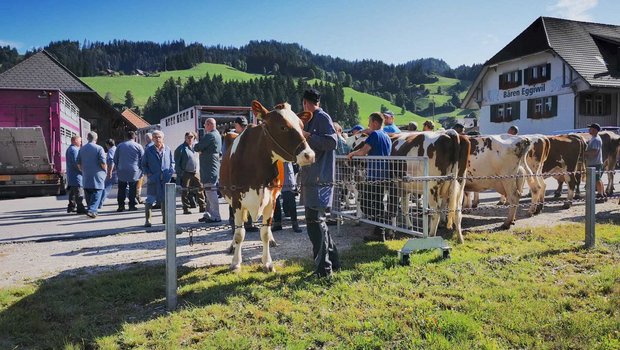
[460, 166]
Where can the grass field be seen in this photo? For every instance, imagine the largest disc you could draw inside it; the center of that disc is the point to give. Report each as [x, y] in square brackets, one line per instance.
[528, 289]
[369, 103]
[143, 87]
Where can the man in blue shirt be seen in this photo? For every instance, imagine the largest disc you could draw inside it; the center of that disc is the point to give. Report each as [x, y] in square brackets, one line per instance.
[389, 127]
[74, 177]
[378, 143]
[92, 163]
[316, 182]
[127, 162]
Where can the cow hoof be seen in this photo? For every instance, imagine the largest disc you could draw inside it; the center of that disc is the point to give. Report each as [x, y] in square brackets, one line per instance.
[505, 226]
[557, 195]
[235, 268]
[577, 196]
[273, 244]
[269, 268]
[566, 206]
[539, 209]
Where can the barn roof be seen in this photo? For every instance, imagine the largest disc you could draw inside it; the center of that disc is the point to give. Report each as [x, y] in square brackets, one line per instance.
[134, 119]
[590, 48]
[42, 71]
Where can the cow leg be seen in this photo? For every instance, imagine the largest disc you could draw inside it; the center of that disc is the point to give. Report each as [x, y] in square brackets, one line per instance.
[502, 200]
[537, 190]
[466, 200]
[434, 217]
[558, 191]
[476, 200]
[237, 240]
[610, 181]
[572, 184]
[404, 206]
[512, 197]
[266, 237]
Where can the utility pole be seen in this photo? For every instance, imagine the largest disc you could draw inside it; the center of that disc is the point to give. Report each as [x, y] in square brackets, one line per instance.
[178, 86]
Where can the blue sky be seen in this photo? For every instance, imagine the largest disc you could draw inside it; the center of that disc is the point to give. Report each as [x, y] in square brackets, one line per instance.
[394, 31]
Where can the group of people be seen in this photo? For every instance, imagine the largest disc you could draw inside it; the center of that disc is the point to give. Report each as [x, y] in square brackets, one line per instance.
[91, 173]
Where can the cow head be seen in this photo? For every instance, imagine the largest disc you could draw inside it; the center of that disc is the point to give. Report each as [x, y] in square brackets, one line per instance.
[284, 131]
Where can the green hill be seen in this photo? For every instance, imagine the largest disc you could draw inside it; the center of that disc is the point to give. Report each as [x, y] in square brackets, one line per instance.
[142, 87]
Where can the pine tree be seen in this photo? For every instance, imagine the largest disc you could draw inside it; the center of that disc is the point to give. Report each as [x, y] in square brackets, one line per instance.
[129, 100]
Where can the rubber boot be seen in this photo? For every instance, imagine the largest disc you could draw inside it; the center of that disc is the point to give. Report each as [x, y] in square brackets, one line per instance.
[147, 214]
[163, 214]
[296, 227]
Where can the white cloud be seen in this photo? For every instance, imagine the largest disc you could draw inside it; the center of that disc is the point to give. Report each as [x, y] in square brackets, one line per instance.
[573, 9]
[10, 43]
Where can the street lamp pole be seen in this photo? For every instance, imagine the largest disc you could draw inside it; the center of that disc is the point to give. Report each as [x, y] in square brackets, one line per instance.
[178, 86]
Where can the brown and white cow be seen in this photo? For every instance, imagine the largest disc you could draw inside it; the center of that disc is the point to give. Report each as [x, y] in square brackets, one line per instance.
[249, 175]
[447, 154]
[494, 162]
[611, 150]
[566, 154]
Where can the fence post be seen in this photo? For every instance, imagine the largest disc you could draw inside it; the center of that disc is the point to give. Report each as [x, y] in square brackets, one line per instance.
[590, 207]
[171, 246]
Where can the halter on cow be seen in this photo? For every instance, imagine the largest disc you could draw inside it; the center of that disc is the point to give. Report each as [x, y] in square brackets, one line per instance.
[251, 175]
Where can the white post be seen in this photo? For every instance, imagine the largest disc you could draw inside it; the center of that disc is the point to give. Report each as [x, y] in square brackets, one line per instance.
[425, 216]
[590, 207]
[171, 247]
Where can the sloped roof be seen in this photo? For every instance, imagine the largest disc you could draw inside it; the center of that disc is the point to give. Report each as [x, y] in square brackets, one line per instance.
[591, 49]
[134, 119]
[42, 71]
[583, 45]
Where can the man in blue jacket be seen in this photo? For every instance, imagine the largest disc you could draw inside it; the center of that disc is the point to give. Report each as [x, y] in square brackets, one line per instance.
[92, 163]
[158, 166]
[74, 177]
[186, 163]
[128, 163]
[317, 183]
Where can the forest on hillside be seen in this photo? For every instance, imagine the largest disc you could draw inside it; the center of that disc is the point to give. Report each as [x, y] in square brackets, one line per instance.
[400, 84]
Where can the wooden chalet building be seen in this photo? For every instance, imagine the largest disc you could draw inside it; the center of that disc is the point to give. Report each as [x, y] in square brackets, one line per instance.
[557, 74]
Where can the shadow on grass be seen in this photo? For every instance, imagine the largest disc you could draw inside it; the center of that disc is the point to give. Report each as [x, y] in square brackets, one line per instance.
[79, 307]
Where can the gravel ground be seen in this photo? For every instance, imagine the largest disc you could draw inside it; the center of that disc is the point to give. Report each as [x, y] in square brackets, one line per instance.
[39, 240]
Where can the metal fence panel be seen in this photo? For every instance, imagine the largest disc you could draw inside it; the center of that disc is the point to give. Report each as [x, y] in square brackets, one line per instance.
[383, 191]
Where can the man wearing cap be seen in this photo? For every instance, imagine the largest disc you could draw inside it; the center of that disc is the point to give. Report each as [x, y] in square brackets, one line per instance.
[513, 130]
[316, 182]
[185, 164]
[356, 130]
[378, 143]
[459, 128]
[594, 159]
[388, 125]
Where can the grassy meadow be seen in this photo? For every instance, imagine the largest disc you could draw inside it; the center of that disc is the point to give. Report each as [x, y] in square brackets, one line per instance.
[143, 87]
[527, 289]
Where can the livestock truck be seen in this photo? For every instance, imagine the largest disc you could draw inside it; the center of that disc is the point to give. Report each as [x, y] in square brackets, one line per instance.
[193, 118]
[36, 127]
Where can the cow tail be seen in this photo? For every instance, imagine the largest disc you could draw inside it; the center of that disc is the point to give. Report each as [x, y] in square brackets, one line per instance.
[581, 161]
[455, 187]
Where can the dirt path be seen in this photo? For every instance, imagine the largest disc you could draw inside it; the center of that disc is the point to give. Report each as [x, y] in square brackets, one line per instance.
[38, 240]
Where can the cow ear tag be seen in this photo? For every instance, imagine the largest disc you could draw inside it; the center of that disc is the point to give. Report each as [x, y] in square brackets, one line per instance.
[258, 110]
